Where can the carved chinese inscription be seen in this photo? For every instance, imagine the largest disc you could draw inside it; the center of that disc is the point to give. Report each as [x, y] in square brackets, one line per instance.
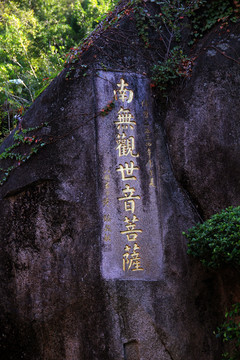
[148, 145]
[130, 230]
[128, 172]
[106, 217]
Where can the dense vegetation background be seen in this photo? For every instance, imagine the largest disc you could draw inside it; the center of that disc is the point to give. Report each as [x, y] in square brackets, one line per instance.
[35, 37]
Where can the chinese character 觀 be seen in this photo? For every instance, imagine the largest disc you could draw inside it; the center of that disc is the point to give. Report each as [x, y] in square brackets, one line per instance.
[125, 146]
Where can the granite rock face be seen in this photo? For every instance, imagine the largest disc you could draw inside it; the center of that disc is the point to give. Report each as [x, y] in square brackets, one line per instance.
[203, 127]
[93, 264]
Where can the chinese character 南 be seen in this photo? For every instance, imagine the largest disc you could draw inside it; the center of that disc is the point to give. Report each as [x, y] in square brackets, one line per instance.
[125, 119]
[127, 171]
[124, 93]
[129, 198]
[126, 146]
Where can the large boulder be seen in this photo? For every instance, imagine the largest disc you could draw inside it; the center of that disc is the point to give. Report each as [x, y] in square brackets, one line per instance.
[93, 260]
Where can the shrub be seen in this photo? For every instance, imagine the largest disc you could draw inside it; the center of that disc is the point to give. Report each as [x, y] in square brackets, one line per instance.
[230, 331]
[216, 242]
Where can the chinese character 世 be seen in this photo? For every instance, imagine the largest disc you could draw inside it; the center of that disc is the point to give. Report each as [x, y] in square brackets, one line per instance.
[124, 93]
[125, 146]
[129, 200]
[124, 119]
[127, 171]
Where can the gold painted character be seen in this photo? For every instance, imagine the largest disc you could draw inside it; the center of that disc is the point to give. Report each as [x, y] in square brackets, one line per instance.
[107, 176]
[126, 256]
[106, 201]
[152, 183]
[126, 145]
[107, 218]
[145, 113]
[107, 228]
[131, 232]
[127, 171]
[129, 200]
[135, 261]
[124, 93]
[125, 119]
[106, 237]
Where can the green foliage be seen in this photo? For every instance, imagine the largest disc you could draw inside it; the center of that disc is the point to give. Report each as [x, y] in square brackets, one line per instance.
[35, 36]
[170, 23]
[143, 21]
[165, 73]
[216, 242]
[207, 14]
[229, 331]
[25, 145]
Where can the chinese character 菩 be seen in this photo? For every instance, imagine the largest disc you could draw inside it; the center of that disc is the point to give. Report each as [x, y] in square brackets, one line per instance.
[131, 232]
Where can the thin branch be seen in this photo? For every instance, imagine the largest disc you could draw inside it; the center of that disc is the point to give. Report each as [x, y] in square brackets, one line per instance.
[224, 54]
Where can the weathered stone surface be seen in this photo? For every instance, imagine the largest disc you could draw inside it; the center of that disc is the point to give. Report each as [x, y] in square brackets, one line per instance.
[203, 127]
[60, 295]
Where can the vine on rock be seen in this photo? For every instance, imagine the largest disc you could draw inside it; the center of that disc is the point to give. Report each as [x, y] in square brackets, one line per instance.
[174, 18]
[27, 144]
[229, 331]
